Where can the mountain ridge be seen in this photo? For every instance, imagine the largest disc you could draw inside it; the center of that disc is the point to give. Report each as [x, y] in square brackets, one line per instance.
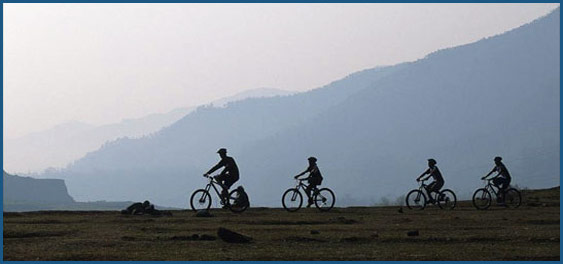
[372, 131]
[58, 146]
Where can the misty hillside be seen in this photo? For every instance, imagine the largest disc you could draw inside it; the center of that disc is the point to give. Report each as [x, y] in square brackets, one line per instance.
[58, 146]
[253, 93]
[371, 131]
[64, 143]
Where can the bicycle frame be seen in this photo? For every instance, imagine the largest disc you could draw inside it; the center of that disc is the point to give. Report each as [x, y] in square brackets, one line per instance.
[301, 185]
[211, 184]
[422, 187]
[489, 186]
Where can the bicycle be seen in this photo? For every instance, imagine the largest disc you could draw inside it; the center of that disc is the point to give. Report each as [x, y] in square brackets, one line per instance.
[292, 199]
[201, 198]
[416, 199]
[482, 198]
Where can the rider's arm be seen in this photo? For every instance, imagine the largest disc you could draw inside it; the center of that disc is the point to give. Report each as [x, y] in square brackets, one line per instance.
[216, 167]
[424, 173]
[493, 170]
[296, 176]
[426, 178]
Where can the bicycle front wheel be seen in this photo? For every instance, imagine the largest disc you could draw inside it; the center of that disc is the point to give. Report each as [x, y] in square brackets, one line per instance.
[200, 200]
[416, 200]
[512, 198]
[482, 199]
[324, 199]
[447, 199]
[292, 200]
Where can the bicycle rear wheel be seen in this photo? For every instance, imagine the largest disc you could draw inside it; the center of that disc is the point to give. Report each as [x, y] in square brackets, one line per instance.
[482, 199]
[292, 200]
[416, 200]
[447, 199]
[324, 199]
[512, 198]
[200, 200]
[238, 201]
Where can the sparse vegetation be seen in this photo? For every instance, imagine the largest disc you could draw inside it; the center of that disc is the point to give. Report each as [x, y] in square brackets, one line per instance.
[358, 233]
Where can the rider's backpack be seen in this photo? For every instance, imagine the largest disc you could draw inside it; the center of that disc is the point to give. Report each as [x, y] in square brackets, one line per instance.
[242, 200]
[316, 177]
[316, 180]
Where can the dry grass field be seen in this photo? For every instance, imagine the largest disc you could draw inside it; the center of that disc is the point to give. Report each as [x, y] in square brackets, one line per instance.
[530, 232]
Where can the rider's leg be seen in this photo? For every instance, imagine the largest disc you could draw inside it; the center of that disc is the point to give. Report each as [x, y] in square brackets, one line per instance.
[499, 183]
[504, 184]
[308, 191]
[224, 195]
[429, 190]
[437, 188]
[227, 183]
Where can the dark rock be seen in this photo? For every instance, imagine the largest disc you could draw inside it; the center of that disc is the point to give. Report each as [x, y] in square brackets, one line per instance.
[207, 238]
[194, 237]
[187, 238]
[231, 236]
[400, 210]
[355, 239]
[127, 238]
[413, 233]
[343, 220]
[315, 232]
[203, 213]
[302, 239]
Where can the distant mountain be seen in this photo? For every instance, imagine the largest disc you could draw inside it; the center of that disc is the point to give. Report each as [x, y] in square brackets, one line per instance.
[18, 189]
[177, 153]
[30, 194]
[254, 93]
[371, 131]
[64, 143]
[60, 145]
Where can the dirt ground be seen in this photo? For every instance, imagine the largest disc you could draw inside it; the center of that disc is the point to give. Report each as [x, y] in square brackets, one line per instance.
[530, 232]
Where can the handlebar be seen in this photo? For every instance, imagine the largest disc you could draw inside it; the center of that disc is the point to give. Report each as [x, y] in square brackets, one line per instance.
[211, 177]
[484, 178]
[213, 180]
[299, 181]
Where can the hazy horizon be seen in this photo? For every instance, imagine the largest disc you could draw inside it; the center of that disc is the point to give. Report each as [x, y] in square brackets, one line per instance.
[101, 63]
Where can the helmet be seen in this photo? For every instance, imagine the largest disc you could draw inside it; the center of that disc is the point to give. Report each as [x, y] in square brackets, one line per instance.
[433, 161]
[498, 159]
[313, 159]
[222, 150]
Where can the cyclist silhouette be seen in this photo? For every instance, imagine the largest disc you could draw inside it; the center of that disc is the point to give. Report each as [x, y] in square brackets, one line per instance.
[315, 178]
[438, 182]
[502, 179]
[229, 175]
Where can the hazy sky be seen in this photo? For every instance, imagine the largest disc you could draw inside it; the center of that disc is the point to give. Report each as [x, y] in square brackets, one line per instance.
[100, 63]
